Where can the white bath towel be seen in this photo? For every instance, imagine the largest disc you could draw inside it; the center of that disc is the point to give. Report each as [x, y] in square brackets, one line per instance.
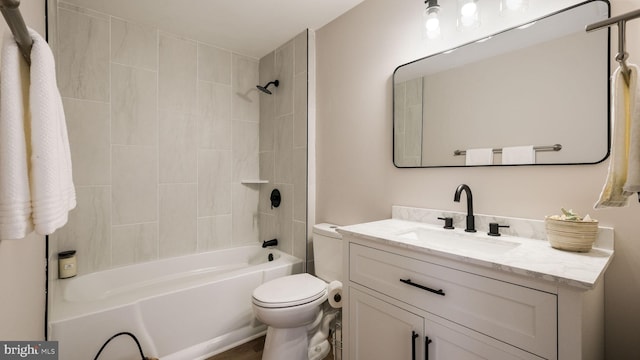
[15, 194]
[514, 155]
[37, 189]
[613, 193]
[479, 156]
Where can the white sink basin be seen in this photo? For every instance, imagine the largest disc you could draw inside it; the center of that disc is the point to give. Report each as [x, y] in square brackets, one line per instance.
[455, 241]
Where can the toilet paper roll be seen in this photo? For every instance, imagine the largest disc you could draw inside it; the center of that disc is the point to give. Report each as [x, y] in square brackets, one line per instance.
[335, 294]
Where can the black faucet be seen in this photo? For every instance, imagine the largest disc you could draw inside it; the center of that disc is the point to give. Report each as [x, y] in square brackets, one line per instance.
[272, 242]
[471, 224]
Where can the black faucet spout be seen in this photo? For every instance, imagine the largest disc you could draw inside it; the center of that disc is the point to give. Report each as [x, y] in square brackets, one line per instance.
[471, 226]
[272, 242]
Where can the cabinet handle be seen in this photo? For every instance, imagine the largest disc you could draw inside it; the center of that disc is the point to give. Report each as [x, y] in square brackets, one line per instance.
[414, 336]
[427, 341]
[409, 282]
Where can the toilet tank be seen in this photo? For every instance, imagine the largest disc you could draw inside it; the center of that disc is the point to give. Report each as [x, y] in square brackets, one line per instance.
[327, 252]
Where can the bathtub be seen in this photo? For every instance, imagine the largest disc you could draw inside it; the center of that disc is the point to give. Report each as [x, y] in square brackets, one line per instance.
[183, 308]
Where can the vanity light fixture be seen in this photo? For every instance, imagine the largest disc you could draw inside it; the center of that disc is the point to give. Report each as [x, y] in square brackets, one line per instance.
[431, 19]
[468, 13]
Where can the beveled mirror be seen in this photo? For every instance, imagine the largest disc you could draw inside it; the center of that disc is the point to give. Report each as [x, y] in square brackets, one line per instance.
[543, 84]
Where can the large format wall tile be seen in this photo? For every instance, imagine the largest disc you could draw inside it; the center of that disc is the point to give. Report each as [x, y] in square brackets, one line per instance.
[245, 150]
[134, 44]
[214, 113]
[88, 128]
[214, 232]
[300, 234]
[267, 122]
[133, 106]
[245, 99]
[284, 218]
[299, 184]
[88, 230]
[135, 183]
[284, 71]
[178, 226]
[214, 182]
[177, 74]
[284, 149]
[134, 243]
[83, 55]
[214, 100]
[245, 214]
[214, 64]
[178, 147]
[300, 111]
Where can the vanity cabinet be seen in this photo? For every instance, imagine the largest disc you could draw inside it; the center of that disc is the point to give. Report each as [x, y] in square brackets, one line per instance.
[406, 305]
[381, 330]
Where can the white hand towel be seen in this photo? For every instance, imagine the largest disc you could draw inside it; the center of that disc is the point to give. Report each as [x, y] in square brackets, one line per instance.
[36, 187]
[518, 155]
[52, 191]
[632, 185]
[613, 194]
[479, 156]
[15, 194]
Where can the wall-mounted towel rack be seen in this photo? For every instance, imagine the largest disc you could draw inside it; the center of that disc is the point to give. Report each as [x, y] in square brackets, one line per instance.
[12, 16]
[621, 21]
[554, 147]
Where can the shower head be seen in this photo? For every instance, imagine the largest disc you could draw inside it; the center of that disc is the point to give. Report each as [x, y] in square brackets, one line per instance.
[264, 88]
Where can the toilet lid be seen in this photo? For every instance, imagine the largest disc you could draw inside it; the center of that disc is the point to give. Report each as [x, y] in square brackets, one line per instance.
[289, 291]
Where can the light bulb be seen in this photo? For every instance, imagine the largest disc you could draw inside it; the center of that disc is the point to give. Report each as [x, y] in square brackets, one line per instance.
[468, 13]
[469, 9]
[432, 22]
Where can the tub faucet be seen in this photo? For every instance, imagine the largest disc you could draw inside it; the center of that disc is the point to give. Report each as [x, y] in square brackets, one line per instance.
[471, 226]
[272, 242]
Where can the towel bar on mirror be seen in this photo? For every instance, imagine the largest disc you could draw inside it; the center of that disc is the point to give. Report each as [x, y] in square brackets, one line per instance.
[554, 147]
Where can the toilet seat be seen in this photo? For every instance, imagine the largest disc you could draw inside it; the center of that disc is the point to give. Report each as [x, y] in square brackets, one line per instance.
[289, 291]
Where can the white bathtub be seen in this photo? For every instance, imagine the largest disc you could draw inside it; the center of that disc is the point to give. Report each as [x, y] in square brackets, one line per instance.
[188, 307]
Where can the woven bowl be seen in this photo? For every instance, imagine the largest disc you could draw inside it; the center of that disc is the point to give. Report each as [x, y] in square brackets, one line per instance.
[571, 235]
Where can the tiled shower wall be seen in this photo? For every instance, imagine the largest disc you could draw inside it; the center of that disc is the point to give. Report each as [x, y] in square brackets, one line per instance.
[283, 145]
[162, 130]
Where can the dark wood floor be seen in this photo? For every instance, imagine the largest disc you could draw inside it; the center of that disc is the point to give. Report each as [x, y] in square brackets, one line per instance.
[249, 351]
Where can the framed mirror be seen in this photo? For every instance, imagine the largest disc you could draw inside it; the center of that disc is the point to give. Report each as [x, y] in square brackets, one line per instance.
[543, 85]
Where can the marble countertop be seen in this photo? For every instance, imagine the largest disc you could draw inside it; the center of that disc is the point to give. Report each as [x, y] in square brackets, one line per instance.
[533, 258]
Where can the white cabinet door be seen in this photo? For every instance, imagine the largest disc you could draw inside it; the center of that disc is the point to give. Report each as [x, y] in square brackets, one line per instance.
[448, 341]
[381, 331]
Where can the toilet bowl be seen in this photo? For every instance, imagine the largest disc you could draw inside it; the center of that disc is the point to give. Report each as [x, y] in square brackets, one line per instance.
[292, 306]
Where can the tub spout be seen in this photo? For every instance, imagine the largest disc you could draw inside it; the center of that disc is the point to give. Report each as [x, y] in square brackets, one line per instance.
[272, 242]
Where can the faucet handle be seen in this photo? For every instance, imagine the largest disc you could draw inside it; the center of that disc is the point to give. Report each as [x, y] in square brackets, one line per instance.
[494, 229]
[448, 222]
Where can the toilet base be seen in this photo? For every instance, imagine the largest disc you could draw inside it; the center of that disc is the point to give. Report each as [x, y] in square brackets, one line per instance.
[290, 344]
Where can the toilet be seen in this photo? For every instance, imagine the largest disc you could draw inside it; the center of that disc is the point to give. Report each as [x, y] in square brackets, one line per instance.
[292, 306]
